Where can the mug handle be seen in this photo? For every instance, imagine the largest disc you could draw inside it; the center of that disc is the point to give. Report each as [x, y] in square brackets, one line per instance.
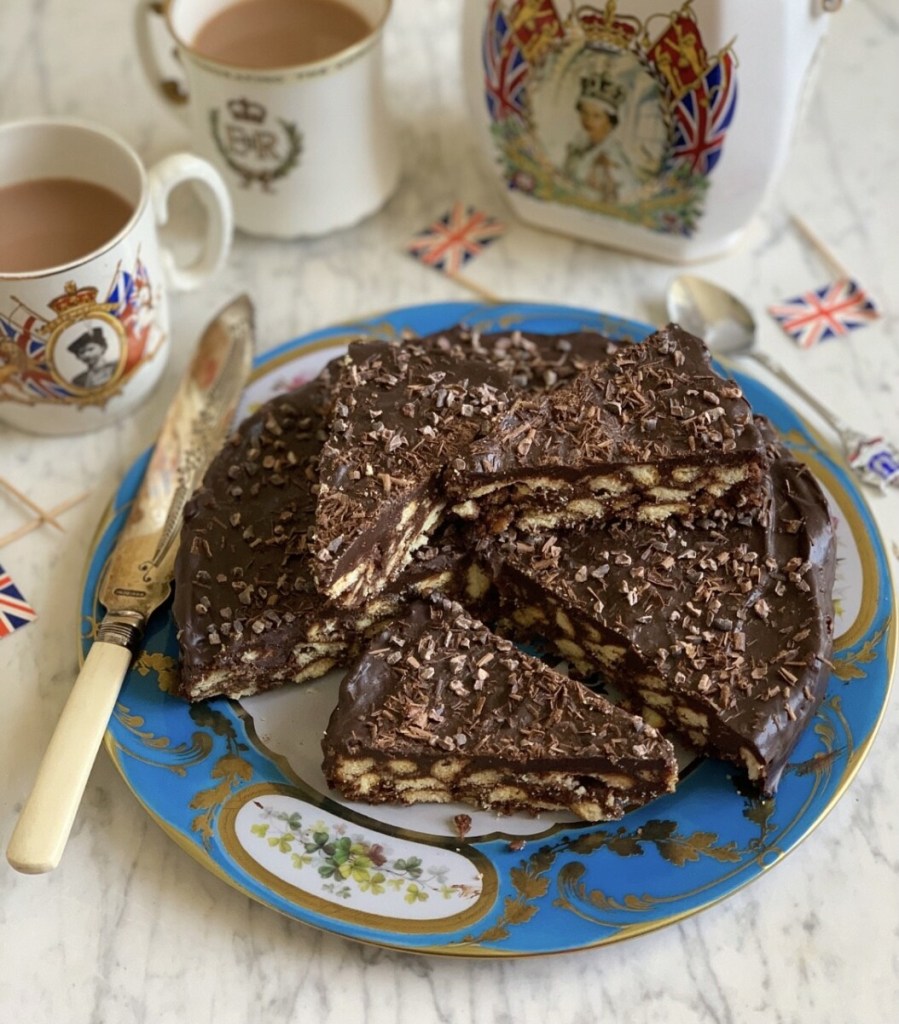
[166, 175]
[148, 18]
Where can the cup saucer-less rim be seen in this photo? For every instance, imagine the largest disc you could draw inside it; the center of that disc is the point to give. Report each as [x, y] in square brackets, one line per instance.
[127, 151]
[308, 68]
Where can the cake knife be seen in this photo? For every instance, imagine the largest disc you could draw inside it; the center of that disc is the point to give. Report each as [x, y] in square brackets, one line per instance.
[136, 580]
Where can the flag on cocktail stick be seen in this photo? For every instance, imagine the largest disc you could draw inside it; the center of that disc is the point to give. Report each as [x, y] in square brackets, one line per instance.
[824, 313]
[454, 239]
[15, 611]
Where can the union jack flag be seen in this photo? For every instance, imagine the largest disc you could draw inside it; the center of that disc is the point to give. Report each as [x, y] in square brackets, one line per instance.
[828, 312]
[15, 611]
[703, 115]
[505, 70]
[455, 238]
[36, 379]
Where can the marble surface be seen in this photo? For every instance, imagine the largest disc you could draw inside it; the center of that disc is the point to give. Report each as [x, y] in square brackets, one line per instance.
[128, 928]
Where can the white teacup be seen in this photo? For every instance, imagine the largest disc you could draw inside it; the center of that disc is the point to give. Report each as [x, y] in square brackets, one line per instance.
[84, 335]
[306, 148]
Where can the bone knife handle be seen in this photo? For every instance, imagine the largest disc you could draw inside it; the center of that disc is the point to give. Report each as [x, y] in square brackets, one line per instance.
[43, 828]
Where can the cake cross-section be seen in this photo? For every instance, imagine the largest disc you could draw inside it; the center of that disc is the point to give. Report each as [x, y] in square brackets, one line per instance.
[650, 431]
[440, 709]
[400, 413]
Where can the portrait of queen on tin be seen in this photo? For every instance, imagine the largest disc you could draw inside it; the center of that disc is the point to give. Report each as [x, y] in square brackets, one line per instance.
[601, 117]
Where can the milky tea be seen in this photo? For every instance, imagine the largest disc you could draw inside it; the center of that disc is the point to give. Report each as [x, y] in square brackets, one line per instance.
[48, 222]
[280, 33]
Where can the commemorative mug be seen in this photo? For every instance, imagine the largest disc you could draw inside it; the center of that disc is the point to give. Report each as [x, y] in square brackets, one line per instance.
[286, 99]
[643, 125]
[84, 323]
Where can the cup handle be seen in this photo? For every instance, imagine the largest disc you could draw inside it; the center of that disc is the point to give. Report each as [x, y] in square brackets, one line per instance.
[178, 169]
[148, 20]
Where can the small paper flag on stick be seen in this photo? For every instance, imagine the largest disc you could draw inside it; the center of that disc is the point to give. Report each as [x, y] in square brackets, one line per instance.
[15, 611]
[454, 239]
[829, 312]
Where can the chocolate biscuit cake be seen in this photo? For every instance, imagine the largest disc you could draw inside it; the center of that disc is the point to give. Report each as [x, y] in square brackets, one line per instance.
[649, 431]
[399, 414]
[248, 613]
[440, 709]
[720, 632]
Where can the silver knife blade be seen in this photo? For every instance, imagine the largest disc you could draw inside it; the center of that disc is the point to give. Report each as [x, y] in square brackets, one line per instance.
[137, 579]
[138, 575]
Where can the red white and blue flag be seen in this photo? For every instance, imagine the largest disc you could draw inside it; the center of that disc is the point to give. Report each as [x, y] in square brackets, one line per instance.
[703, 115]
[829, 312]
[15, 611]
[505, 70]
[455, 238]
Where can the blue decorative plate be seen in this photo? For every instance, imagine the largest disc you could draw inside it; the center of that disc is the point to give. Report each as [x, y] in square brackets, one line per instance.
[238, 785]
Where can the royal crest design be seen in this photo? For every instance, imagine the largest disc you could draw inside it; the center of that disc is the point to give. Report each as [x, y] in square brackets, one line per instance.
[597, 109]
[86, 349]
[258, 148]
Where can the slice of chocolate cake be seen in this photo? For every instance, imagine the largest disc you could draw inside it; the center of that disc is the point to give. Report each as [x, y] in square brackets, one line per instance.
[248, 614]
[721, 632]
[650, 431]
[440, 709]
[399, 414]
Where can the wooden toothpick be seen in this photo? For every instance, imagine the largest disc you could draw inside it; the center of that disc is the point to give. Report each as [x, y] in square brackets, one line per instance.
[43, 515]
[34, 524]
[824, 251]
[473, 286]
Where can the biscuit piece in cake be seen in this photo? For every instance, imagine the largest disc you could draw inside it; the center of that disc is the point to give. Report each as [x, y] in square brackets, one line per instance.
[440, 709]
[648, 432]
[399, 414]
[721, 633]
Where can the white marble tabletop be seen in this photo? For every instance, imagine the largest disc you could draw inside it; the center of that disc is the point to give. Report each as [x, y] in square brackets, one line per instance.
[129, 928]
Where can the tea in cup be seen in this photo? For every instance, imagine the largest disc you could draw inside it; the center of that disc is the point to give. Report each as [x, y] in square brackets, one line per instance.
[286, 99]
[84, 326]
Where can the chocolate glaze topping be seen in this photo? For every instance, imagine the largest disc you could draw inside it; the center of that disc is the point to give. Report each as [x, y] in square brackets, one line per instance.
[533, 362]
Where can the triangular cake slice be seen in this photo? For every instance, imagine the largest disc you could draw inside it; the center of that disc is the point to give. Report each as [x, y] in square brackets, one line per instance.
[650, 431]
[721, 633]
[400, 413]
[440, 709]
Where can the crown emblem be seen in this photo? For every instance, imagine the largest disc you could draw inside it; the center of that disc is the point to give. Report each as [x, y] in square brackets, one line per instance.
[246, 110]
[601, 87]
[73, 298]
[606, 28]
